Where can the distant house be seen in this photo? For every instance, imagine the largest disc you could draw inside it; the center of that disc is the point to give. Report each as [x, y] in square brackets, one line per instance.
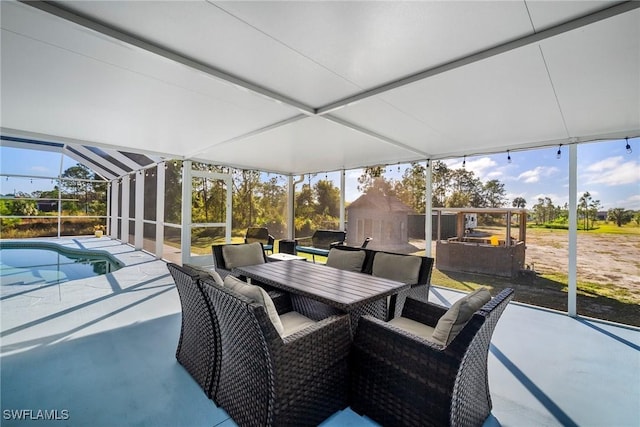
[47, 205]
[380, 216]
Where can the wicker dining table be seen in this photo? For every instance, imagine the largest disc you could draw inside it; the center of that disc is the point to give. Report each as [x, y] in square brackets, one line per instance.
[348, 292]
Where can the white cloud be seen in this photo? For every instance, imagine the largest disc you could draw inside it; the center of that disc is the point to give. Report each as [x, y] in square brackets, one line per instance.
[40, 169]
[534, 175]
[606, 164]
[612, 171]
[484, 168]
[632, 202]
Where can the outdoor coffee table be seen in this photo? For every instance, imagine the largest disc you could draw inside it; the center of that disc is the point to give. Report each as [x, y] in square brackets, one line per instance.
[284, 257]
[346, 291]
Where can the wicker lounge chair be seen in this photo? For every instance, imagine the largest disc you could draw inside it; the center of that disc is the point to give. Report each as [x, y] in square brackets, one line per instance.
[399, 378]
[266, 380]
[260, 234]
[199, 344]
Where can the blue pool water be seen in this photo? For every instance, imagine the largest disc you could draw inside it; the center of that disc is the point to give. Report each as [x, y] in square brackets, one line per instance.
[50, 265]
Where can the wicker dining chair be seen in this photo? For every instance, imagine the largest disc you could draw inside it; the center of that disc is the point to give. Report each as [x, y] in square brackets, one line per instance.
[228, 256]
[199, 348]
[401, 379]
[268, 380]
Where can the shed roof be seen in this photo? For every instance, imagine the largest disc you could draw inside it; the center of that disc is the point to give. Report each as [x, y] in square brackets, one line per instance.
[380, 202]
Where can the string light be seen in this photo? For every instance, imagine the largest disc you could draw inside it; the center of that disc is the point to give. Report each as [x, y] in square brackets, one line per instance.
[628, 147]
[559, 153]
[508, 157]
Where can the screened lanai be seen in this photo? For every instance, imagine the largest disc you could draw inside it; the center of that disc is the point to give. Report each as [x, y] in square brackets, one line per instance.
[375, 83]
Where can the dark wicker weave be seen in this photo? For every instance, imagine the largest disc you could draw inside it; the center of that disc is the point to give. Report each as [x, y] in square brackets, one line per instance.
[199, 348]
[400, 379]
[267, 380]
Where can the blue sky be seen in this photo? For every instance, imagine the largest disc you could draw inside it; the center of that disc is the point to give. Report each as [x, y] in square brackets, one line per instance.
[605, 169]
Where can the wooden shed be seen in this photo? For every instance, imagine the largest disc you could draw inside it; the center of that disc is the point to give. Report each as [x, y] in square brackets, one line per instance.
[377, 215]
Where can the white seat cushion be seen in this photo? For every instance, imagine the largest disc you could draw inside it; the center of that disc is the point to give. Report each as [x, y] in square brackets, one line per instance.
[242, 255]
[346, 260]
[257, 294]
[416, 328]
[293, 322]
[401, 268]
[452, 322]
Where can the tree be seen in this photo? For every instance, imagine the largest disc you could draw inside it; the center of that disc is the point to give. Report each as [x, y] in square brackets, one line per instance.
[412, 189]
[173, 192]
[245, 183]
[465, 182]
[494, 194]
[440, 181]
[519, 202]
[83, 183]
[77, 184]
[620, 216]
[544, 211]
[583, 208]
[372, 177]
[328, 197]
[458, 199]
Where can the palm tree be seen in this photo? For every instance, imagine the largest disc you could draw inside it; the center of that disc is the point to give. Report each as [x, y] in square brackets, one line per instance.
[519, 202]
[583, 206]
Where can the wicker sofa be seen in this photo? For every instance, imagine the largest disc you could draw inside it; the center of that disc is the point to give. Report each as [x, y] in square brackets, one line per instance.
[320, 242]
[401, 378]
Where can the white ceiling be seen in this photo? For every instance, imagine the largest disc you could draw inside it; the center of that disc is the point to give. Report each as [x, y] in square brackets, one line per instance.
[306, 86]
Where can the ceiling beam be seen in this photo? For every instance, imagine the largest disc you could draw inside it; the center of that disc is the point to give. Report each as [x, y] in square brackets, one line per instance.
[60, 11]
[556, 30]
[375, 135]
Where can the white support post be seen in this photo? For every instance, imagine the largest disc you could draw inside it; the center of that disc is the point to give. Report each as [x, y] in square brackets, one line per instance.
[573, 229]
[291, 219]
[343, 215]
[228, 180]
[138, 233]
[185, 236]
[107, 232]
[60, 194]
[160, 177]
[115, 202]
[428, 210]
[124, 234]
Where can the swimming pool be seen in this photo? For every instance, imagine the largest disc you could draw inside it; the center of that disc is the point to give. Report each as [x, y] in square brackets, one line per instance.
[44, 263]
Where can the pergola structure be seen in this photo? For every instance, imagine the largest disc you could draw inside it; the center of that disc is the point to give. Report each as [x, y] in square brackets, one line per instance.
[308, 87]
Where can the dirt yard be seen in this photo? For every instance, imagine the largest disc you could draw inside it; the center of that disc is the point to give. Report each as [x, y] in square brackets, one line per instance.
[608, 274]
[602, 258]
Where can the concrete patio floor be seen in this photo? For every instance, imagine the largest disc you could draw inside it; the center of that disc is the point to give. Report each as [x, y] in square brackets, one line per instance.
[103, 350]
